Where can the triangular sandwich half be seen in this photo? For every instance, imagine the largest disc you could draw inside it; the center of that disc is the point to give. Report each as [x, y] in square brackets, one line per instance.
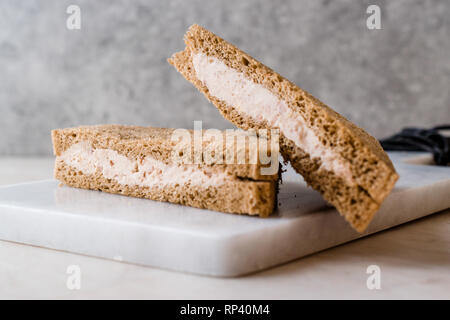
[337, 158]
[156, 163]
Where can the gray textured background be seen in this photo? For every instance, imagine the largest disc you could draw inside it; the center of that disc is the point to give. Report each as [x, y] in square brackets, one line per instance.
[114, 69]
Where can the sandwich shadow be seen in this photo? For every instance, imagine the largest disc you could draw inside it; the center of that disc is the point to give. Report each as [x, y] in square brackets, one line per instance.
[295, 199]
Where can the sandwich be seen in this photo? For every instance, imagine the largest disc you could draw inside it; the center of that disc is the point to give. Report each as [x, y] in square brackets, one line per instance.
[218, 170]
[335, 157]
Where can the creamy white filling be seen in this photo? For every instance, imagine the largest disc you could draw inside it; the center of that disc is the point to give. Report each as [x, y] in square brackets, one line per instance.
[148, 172]
[259, 103]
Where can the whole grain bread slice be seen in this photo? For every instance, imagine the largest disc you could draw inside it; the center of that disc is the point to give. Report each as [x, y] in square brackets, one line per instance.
[244, 191]
[372, 171]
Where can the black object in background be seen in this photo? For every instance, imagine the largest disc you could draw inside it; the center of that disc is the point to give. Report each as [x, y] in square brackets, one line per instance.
[419, 139]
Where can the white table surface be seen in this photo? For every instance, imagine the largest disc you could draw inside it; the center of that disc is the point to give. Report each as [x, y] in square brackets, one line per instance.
[414, 260]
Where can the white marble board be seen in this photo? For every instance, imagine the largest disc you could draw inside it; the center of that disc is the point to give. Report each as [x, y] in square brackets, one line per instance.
[204, 242]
